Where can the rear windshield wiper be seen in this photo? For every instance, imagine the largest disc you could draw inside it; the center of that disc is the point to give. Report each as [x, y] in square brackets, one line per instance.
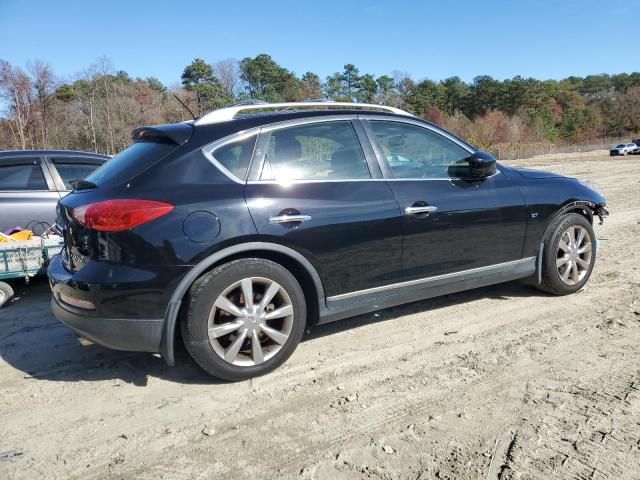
[82, 184]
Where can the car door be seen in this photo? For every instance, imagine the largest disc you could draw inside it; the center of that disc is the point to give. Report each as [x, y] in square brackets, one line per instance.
[452, 223]
[27, 194]
[313, 188]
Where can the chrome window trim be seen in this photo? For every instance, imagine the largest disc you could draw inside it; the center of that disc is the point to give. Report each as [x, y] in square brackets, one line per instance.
[303, 121]
[208, 149]
[290, 182]
[433, 279]
[259, 152]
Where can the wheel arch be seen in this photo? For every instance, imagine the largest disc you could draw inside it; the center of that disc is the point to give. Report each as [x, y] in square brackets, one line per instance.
[292, 260]
[581, 207]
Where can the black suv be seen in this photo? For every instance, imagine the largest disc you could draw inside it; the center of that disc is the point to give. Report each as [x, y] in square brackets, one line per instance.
[246, 225]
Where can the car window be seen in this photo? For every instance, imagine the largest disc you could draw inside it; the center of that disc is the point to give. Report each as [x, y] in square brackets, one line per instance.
[416, 152]
[316, 151]
[22, 177]
[235, 157]
[131, 162]
[70, 171]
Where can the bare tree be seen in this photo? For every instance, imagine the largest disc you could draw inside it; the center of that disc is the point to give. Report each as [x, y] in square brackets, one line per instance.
[86, 98]
[105, 69]
[228, 72]
[16, 89]
[44, 85]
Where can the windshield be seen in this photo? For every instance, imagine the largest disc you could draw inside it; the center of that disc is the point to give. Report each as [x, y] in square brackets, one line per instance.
[622, 145]
[130, 162]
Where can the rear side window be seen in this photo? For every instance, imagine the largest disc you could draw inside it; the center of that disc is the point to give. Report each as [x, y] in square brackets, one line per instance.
[70, 171]
[131, 162]
[22, 177]
[316, 151]
[235, 157]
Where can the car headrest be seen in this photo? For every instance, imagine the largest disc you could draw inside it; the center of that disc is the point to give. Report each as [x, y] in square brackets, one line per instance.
[347, 164]
[287, 148]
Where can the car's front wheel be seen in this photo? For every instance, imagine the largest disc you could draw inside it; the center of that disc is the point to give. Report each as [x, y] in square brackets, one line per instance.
[244, 318]
[569, 254]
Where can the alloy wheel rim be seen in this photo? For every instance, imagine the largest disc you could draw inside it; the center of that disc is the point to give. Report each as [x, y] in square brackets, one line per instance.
[573, 258]
[250, 321]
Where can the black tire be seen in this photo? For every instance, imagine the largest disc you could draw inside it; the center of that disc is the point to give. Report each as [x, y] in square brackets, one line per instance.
[201, 299]
[6, 292]
[551, 281]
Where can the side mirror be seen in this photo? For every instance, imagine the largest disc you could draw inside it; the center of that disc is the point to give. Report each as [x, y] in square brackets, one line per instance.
[482, 165]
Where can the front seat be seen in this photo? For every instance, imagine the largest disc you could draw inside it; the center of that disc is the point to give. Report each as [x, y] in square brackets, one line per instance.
[348, 164]
[287, 149]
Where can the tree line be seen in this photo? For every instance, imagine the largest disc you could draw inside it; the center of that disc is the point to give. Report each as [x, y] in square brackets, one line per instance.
[101, 106]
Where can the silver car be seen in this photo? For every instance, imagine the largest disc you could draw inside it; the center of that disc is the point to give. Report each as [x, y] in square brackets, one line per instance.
[32, 182]
[623, 149]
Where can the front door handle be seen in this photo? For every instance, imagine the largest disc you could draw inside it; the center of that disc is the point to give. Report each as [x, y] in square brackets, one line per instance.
[289, 219]
[416, 210]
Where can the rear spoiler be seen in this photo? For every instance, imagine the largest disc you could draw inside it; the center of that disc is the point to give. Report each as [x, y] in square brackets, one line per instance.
[178, 133]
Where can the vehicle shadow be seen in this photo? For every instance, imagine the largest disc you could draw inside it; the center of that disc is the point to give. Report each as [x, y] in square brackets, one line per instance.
[34, 342]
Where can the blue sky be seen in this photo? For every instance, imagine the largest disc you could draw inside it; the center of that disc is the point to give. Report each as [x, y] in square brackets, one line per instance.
[429, 39]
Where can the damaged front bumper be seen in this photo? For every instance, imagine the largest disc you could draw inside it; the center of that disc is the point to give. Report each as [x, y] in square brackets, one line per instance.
[601, 212]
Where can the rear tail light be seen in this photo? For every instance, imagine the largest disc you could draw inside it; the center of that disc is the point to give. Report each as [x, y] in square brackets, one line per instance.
[119, 215]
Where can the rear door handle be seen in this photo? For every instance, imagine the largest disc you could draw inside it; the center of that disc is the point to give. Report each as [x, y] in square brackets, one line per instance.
[420, 209]
[289, 219]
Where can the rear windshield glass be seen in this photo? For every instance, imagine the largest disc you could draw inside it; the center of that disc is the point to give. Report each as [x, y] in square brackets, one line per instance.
[130, 162]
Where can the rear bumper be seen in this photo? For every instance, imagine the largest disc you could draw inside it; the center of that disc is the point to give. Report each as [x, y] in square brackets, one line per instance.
[136, 335]
[129, 303]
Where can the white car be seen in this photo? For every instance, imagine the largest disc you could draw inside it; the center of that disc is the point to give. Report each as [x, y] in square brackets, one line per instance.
[623, 149]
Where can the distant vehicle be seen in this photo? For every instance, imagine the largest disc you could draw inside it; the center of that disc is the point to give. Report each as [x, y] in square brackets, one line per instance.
[32, 182]
[623, 149]
[637, 150]
[241, 230]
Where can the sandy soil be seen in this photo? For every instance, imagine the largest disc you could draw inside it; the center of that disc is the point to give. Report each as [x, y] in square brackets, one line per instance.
[500, 382]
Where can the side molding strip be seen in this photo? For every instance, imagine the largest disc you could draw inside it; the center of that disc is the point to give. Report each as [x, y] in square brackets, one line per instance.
[439, 279]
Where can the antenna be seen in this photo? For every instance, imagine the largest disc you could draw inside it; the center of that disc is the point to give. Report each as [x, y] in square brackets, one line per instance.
[185, 106]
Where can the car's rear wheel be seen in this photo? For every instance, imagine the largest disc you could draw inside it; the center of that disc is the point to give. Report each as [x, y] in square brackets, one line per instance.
[244, 319]
[569, 255]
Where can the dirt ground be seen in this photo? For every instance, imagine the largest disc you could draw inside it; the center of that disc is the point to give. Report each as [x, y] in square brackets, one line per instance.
[500, 382]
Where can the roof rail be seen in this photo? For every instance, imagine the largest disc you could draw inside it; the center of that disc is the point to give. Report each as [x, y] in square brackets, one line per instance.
[229, 113]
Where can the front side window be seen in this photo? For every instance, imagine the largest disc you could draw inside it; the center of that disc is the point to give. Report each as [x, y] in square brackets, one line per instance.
[236, 156]
[416, 152]
[316, 151]
[22, 177]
